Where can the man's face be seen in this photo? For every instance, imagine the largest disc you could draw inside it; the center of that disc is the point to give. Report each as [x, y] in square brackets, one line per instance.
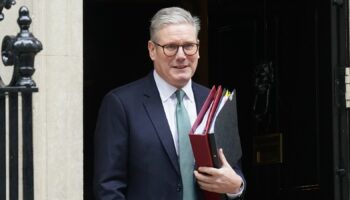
[178, 69]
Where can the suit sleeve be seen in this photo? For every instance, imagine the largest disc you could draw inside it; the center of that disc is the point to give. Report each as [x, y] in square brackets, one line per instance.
[111, 146]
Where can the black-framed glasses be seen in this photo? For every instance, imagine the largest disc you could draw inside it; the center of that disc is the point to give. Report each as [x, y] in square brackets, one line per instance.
[189, 49]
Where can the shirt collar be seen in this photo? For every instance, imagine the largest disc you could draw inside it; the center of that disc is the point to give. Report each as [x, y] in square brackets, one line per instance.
[166, 90]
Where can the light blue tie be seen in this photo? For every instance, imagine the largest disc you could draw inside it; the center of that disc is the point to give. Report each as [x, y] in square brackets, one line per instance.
[186, 158]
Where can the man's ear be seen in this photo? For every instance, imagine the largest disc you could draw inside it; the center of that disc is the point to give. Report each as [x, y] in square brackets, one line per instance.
[151, 49]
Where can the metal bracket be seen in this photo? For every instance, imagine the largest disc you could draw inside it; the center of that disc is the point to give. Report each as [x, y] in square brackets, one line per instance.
[338, 2]
[347, 87]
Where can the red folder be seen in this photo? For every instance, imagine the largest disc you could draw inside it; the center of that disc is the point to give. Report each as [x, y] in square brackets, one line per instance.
[200, 142]
[204, 108]
[212, 111]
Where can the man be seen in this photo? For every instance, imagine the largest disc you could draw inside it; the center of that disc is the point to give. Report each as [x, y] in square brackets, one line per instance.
[137, 137]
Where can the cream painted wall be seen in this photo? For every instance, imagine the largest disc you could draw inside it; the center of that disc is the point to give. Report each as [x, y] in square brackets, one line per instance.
[58, 106]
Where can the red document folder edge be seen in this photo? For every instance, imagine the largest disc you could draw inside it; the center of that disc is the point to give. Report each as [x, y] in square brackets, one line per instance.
[200, 142]
[212, 111]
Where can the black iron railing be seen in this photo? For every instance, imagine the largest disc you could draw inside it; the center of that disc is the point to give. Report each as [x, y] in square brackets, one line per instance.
[18, 51]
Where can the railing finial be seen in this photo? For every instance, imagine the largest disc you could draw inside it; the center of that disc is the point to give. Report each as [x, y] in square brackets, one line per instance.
[20, 51]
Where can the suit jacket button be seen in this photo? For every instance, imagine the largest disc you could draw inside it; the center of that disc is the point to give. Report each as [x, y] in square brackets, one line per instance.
[179, 187]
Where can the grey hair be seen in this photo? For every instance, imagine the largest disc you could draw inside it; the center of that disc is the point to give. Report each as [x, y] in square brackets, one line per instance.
[172, 15]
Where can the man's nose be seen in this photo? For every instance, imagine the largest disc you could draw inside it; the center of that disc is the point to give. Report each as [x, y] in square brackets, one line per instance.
[180, 52]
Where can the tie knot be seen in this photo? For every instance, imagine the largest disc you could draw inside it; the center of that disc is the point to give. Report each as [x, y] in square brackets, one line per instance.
[180, 95]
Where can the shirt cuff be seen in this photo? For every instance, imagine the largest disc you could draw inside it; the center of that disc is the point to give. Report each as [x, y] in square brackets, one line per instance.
[238, 194]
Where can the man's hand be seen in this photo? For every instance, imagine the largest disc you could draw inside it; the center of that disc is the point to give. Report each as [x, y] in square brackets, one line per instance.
[222, 180]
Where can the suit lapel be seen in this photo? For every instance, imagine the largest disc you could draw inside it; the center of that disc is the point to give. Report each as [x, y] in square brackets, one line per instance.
[199, 96]
[154, 108]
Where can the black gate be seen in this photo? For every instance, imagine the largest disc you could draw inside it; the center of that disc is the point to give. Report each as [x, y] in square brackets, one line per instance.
[16, 107]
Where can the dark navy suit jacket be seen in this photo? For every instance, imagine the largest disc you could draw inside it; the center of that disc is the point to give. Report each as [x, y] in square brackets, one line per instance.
[135, 157]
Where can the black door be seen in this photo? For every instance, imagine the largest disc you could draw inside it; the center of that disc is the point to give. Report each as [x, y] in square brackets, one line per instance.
[286, 59]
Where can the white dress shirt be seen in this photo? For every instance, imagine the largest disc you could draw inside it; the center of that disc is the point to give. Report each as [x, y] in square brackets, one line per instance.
[168, 97]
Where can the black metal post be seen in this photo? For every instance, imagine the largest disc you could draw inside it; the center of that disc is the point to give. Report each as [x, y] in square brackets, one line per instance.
[2, 145]
[27, 119]
[13, 144]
